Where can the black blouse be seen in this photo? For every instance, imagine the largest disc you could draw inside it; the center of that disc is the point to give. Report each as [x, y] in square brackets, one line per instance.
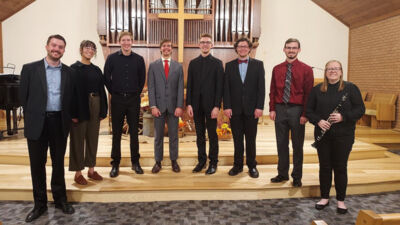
[321, 104]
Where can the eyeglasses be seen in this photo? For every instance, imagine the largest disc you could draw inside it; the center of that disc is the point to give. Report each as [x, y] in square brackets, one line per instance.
[242, 46]
[89, 48]
[205, 42]
[333, 69]
[292, 48]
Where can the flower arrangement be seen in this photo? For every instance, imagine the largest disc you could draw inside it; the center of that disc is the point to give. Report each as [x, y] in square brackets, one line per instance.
[225, 132]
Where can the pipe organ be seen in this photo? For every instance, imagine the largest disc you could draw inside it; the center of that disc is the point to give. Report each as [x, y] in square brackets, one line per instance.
[226, 20]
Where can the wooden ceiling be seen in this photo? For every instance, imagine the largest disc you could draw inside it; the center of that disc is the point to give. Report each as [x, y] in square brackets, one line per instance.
[10, 7]
[356, 13]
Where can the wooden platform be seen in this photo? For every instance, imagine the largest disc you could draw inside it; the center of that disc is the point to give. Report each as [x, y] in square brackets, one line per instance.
[371, 169]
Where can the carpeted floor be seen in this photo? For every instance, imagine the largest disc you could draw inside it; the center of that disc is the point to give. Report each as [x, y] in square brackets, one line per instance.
[274, 212]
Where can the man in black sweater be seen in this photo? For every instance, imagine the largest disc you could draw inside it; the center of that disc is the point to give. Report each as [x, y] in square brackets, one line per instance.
[203, 100]
[125, 74]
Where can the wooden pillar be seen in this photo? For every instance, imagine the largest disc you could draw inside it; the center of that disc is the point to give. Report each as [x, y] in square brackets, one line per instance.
[1, 49]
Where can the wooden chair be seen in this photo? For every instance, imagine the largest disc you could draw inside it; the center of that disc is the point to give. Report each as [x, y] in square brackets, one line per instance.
[381, 110]
[365, 119]
[368, 217]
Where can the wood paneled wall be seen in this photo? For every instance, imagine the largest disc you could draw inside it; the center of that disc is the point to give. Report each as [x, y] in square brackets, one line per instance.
[374, 59]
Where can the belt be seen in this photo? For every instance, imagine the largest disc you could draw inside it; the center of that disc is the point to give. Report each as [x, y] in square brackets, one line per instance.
[53, 113]
[125, 94]
[289, 104]
[93, 94]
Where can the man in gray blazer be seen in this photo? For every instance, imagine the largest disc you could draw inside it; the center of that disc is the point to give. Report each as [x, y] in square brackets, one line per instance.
[165, 85]
[46, 97]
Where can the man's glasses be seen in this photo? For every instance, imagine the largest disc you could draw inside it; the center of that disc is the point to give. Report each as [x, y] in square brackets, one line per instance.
[205, 42]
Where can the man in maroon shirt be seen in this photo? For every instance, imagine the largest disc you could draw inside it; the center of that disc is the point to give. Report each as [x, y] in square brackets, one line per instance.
[291, 83]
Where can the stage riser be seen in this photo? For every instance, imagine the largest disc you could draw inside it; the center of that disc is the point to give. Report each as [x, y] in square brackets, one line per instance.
[192, 160]
[181, 195]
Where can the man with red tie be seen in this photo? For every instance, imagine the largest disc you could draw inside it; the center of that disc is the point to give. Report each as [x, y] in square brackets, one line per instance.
[165, 85]
[244, 95]
[291, 83]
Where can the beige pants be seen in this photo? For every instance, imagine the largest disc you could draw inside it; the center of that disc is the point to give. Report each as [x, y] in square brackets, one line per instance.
[84, 138]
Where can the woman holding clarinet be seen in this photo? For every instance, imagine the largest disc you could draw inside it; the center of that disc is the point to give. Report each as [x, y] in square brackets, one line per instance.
[334, 107]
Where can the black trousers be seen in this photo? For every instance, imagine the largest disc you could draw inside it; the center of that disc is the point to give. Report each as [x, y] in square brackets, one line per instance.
[122, 106]
[202, 121]
[288, 119]
[243, 125]
[333, 154]
[53, 137]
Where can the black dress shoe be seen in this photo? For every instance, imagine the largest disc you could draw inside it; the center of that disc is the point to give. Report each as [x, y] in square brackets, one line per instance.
[235, 171]
[253, 172]
[278, 179]
[175, 166]
[297, 183]
[341, 210]
[321, 207]
[156, 167]
[114, 171]
[137, 168]
[199, 167]
[65, 207]
[211, 169]
[35, 213]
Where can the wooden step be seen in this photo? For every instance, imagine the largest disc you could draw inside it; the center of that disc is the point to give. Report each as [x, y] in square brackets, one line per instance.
[365, 176]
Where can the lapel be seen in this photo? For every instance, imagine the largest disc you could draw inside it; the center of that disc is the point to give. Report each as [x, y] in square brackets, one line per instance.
[249, 65]
[236, 65]
[41, 71]
[172, 67]
[207, 69]
[63, 81]
[160, 66]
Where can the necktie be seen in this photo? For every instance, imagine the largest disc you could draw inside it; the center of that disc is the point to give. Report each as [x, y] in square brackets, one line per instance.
[166, 69]
[286, 91]
[242, 61]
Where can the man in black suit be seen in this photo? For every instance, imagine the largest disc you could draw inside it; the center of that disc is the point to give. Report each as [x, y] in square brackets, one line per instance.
[203, 100]
[125, 75]
[45, 94]
[244, 94]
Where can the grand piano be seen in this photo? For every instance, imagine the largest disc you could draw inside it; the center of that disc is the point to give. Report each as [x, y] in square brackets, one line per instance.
[9, 100]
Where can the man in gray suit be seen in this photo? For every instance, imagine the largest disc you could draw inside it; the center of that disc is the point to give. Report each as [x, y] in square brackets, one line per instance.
[165, 85]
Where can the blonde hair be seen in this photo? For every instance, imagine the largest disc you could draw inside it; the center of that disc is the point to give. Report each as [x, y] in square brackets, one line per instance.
[125, 33]
[324, 86]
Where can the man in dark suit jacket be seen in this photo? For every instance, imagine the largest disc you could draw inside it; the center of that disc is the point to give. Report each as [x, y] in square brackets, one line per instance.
[165, 85]
[203, 100]
[45, 94]
[244, 95]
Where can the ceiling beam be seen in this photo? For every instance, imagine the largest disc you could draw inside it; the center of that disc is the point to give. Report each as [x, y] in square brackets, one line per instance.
[10, 7]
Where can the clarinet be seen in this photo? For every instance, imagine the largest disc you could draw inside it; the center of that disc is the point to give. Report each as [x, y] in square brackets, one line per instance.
[336, 110]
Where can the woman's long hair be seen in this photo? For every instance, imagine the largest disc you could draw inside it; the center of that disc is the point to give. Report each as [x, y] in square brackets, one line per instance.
[324, 86]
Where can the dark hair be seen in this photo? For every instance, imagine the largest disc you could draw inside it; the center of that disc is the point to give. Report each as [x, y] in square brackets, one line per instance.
[290, 40]
[242, 39]
[165, 40]
[87, 43]
[56, 36]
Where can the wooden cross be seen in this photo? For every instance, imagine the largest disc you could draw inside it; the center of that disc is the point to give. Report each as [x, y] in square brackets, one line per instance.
[181, 16]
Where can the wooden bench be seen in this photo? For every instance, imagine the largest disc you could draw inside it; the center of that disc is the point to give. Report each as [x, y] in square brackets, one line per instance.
[380, 111]
[368, 217]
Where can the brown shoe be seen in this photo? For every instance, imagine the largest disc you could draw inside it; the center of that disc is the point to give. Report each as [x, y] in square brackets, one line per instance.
[95, 176]
[175, 166]
[80, 180]
[156, 167]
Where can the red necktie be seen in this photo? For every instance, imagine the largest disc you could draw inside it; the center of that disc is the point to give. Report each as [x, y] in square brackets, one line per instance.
[166, 69]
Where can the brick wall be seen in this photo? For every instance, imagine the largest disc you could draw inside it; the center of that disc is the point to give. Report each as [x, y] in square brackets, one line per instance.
[374, 59]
